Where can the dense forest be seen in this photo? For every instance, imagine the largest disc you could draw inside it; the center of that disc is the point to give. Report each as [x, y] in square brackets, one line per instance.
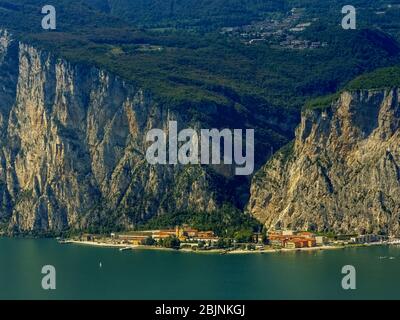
[188, 67]
[203, 14]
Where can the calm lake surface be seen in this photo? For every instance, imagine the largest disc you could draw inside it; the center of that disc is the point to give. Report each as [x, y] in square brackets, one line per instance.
[172, 275]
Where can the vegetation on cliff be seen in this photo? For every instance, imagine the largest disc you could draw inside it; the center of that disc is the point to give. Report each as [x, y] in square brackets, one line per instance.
[384, 78]
[225, 222]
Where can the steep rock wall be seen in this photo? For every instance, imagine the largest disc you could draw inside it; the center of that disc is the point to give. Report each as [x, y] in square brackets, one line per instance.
[73, 148]
[341, 173]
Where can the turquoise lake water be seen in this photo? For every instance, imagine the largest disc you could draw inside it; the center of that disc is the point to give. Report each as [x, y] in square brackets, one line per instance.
[145, 274]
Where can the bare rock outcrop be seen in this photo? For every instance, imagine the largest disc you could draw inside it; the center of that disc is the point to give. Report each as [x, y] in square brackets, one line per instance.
[73, 143]
[341, 173]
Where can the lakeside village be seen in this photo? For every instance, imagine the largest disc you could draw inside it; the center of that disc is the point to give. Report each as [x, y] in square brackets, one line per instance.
[186, 238]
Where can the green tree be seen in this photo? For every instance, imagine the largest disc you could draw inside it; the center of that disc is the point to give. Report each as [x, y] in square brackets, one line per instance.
[149, 241]
[244, 235]
[251, 247]
[201, 244]
[221, 244]
[172, 242]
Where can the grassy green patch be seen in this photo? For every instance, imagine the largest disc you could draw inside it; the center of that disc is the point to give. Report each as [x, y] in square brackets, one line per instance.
[321, 103]
[379, 79]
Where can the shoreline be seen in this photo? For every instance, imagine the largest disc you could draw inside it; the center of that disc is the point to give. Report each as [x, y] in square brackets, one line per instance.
[137, 247]
[220, 251]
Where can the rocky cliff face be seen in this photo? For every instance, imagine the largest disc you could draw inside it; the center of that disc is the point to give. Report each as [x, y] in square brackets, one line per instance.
[342, 171]
[73, 144]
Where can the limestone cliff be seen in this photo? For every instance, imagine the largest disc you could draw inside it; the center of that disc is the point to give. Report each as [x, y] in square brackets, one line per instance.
[342, 171]
[73, 144]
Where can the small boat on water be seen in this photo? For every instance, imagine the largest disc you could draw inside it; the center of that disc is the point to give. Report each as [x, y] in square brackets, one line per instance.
[63, 241]
[124, 249]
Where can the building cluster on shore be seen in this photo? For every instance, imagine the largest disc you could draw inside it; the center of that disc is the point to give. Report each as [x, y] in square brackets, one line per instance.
[368, 238]
[183, 233]
[292, 240]
[186, 236]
